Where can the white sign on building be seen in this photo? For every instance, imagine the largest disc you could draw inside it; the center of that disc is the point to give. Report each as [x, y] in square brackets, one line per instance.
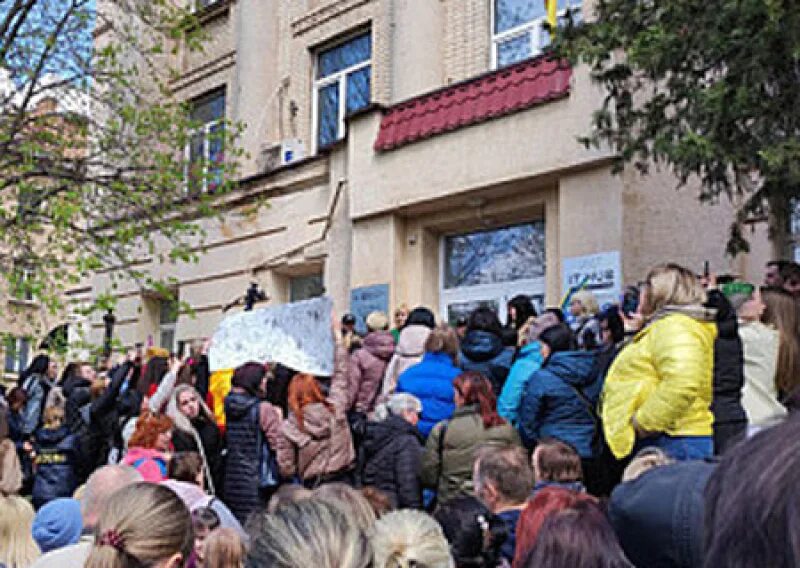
[602, 274]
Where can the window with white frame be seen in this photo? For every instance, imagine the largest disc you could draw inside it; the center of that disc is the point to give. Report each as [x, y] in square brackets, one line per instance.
[21, 282]
[341, 86]
[519, 28]
[167, 318]
[205, 152]
[17, 350]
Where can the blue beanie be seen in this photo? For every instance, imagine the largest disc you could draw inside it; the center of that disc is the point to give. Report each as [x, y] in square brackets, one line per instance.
[58, 524]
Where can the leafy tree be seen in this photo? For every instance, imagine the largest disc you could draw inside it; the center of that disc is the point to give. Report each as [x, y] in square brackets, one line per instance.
[93, 171]
[709, 89]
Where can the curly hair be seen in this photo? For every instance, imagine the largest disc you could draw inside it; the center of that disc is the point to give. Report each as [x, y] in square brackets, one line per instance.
[148, 427]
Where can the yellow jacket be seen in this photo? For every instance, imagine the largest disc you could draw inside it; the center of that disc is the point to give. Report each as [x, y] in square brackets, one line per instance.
[664, 378]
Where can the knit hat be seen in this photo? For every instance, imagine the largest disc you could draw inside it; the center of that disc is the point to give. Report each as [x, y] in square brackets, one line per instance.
[58, 524]
[738, 293]
[377, 321]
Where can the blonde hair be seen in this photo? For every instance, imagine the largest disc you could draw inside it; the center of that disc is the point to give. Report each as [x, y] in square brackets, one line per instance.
[224, 548]
[53, 417]
[671, 285]
[648, 458]
[17, 547]
[350, 501]
[307, 533]
[150, 524]
[587, 300]
[409, 538]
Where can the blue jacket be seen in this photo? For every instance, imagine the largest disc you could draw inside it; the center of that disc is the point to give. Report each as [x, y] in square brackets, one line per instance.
[485, 352]
[431, 381]
[529, 359]
[56, 458]
[551, 408]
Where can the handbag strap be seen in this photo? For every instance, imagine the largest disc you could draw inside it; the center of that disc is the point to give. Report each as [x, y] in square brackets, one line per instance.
[592, 412]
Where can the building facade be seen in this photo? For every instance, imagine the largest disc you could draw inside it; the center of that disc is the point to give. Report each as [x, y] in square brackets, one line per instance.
[411, 152]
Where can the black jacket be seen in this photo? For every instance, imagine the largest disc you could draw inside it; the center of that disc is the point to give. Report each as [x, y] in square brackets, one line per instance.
[241, 469]
[391, 455]
[728, 364]
[484, 352]
[56, 458]
[77, 392]
[213, 444]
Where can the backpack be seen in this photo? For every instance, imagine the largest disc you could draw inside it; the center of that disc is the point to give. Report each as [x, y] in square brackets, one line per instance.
[268, 473]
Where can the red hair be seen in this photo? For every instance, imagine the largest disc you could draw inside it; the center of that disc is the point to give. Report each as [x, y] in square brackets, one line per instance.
[304, 390]
[546, 502]
[474, 388]
[148, 428]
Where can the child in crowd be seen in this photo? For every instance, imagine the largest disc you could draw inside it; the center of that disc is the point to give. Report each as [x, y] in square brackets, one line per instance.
[56, 453]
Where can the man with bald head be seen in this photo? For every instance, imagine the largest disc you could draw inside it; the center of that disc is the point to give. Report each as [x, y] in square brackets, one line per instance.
[103, 483]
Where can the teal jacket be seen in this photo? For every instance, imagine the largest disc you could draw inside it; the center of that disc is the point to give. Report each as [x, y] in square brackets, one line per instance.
[529, 360]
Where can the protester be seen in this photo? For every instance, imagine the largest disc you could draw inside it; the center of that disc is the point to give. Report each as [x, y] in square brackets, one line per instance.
[612, 336]
[307, 534]
[350, 338]
[36, 380]
[10, 468]
[76, 387]
[546, 502]
[783, 313]
[772, 274]
[447, 465]
[316, 444]
[752, 503]
[249, 421]
[658, 516]
[224, 548]
[527, 362]
[378, 500]
[288, 493]
[585, 325]
[17, 400]
[577, 537]
[410, 347]
[400, 317]
[98, 489]
[391, 454]
[556, 464]
[518, 311]
[482, 349]
[349, 501]
[57, 524]
[409, 538]
[197, 431]
[790, 275]
[156, 367]
[142, 525]
[561, 397]
[760, 344]
[204, 520]
[148, 449]
[503, 481]
[368, 364]
[474, 533]
[18, 549]
[645, 460]
[730, 420]
[56, 450]
[431, 380]
[659, 388]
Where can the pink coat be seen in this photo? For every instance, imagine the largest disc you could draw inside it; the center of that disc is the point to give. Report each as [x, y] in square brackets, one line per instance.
[152, 464]
[367, 366]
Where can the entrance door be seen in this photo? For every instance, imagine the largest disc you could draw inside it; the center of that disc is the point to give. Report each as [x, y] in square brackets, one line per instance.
[488, 268]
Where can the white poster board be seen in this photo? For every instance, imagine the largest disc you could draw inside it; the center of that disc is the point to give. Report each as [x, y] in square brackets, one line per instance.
[297, 335]
[602, 273]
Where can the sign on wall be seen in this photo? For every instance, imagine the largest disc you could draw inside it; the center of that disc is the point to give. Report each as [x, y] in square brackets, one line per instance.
[367, 299]
[601, 272]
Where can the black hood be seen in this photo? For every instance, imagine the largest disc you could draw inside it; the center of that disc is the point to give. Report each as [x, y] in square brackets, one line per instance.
[382, 433]
[238, 405]
[73, 383]
[481, 346]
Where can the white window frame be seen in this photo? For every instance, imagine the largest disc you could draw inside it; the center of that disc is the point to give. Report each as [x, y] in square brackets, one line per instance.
[341, 77]
[502, 292]
[206, 131]
[167, 326]
[27, 274]
[18, 366]
[533, 28]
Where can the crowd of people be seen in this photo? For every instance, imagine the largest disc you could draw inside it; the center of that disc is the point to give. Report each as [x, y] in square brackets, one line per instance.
[655, 432]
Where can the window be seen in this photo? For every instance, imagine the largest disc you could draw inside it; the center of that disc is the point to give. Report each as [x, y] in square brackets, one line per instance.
[520, 30]
[204, 152]
[16, 351]
[794, 229]
[305, 287]
[21, 283]
[342, 86]
[167, 318]
[203, 4]
[488, 268]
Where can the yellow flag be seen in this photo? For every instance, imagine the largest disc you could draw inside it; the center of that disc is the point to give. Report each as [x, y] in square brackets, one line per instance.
[219, 387]
[552, 14]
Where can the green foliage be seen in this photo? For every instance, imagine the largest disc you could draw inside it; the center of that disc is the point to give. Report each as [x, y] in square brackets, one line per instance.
[98, 181]
[708, 88]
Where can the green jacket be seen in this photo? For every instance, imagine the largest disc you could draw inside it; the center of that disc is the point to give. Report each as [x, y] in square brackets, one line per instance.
[464, 435]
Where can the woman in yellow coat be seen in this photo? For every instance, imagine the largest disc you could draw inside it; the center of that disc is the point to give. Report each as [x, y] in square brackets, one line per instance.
[658, 390]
